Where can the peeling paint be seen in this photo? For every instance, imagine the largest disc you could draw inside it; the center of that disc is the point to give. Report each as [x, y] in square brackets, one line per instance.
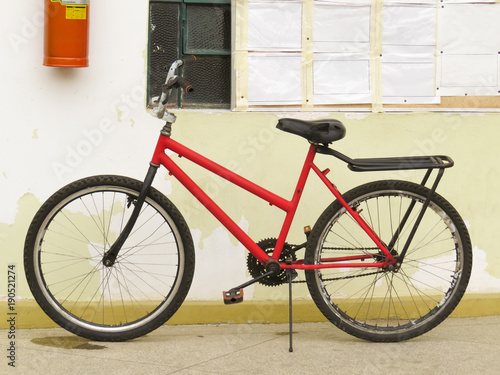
[357, 115]
[12, 240]
[119, 114]
[250, 144]
[481, 280]
[229, 269]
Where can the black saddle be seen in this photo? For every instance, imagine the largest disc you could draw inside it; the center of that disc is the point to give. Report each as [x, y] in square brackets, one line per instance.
[317, 131]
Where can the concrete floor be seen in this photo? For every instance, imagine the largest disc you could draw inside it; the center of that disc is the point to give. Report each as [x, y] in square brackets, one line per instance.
[458, 346]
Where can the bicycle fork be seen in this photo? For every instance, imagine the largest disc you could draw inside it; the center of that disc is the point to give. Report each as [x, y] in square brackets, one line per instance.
[110, 256]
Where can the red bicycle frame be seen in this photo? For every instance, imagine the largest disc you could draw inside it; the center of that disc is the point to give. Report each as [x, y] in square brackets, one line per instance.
[289, 206]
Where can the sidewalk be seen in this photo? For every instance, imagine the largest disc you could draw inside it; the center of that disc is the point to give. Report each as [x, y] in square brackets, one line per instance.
[458, 346]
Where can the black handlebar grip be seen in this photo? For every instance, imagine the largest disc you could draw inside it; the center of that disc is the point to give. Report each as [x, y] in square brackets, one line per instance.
[188, 59]
[185, 85]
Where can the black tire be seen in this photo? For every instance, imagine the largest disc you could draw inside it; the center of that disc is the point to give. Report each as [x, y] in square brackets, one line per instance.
[63, 259]
[382, 305]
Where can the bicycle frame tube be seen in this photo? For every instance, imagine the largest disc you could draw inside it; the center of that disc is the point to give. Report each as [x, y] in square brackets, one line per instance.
[289, 206]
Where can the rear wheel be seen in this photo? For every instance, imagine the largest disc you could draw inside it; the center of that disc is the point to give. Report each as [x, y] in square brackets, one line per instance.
[63, 255]
[383, 305]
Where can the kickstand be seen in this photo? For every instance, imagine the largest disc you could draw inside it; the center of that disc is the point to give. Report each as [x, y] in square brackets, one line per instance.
[290, 272]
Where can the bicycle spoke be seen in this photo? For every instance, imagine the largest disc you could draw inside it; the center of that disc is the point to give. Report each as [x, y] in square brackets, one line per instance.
[386, 304]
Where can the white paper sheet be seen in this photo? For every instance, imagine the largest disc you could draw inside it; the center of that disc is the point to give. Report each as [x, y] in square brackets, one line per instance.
[341, 28]
[345, 2]
[341, 78]
[334, 76]
[414, 2]
[409, 26]
[466, 1]
[274, 79]
[468, 47]
[404, 79]
[468, 75]
[469, 29]
[275, 26]
[408, 62]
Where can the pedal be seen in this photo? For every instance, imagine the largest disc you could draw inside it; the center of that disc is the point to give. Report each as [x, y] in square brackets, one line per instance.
[233, 296]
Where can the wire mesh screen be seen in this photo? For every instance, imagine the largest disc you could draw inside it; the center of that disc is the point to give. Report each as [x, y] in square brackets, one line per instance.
[208, 29]
[211, 79]
[163, 43]
[206, 33]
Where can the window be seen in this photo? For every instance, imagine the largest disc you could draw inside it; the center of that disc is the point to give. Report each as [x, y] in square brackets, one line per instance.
[317, 54]
[192, 27]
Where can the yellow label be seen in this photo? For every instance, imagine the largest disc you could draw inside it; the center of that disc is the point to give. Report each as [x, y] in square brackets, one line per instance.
[72, 2]
[76, 12]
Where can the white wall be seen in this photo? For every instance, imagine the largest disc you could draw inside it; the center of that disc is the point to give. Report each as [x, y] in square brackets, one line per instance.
[47, 113]
[57, 125]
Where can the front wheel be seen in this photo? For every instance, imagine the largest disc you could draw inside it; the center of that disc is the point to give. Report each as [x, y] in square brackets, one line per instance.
[386, 305]
[63, 256]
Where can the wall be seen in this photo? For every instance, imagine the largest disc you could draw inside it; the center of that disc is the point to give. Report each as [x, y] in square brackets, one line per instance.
[58, 125]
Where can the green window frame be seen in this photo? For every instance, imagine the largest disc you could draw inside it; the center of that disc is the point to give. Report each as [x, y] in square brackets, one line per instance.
[191, 27]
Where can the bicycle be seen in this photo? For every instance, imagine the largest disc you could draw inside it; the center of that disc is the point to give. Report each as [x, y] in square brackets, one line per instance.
[111, 258]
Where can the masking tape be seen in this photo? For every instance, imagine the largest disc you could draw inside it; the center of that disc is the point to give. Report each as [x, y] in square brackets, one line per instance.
[307, 55]
[240, 56]
[376, 28]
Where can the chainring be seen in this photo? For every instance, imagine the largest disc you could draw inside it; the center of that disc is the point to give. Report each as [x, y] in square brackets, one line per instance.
[256, 268]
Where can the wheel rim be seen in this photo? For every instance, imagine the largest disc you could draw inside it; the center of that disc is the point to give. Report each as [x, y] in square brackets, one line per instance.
[386, 302]
[68, 260]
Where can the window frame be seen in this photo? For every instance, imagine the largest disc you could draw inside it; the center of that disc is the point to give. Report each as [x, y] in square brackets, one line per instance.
[182, 47]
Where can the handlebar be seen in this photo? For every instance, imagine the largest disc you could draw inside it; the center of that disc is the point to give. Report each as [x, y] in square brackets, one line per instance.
[182, 83]
[173, 80]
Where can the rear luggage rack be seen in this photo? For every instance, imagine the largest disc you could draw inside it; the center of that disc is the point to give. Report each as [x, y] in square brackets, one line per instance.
[399, 163]
[392, 163]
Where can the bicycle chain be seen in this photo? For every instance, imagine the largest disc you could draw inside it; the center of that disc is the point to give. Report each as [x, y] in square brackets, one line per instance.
[269, 243]
[351, 249]
[341, 278]
[345, 277]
